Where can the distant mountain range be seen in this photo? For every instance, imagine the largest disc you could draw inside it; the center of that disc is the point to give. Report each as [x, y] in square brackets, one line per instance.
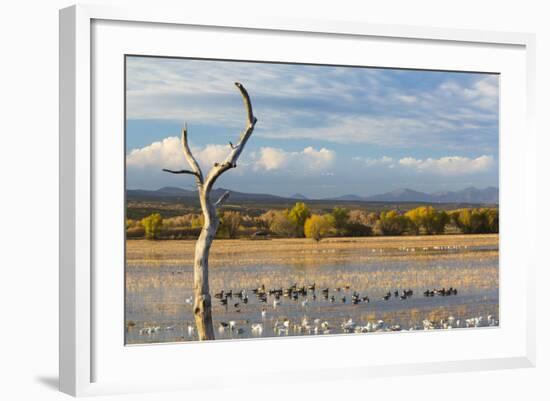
[487, 195]
[467, 195]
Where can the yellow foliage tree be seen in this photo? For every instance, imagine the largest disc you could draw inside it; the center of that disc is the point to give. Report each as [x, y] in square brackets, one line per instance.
[316, 227]
[152, 225]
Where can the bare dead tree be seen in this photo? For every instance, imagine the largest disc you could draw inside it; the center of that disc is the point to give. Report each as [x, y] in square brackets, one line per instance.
[202, 308]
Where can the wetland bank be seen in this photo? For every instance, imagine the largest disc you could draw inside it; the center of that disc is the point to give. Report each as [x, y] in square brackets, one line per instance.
[159, 277]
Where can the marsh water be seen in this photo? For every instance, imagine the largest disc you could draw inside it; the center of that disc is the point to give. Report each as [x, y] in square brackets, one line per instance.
[159, 286]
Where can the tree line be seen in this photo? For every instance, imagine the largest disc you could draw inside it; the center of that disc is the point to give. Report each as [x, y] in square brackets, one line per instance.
[302, 221]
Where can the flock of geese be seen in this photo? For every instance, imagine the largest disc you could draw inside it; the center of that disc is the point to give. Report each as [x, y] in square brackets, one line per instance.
[307, 293]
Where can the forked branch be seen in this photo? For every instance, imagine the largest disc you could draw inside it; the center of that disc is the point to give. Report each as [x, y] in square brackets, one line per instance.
[231, 160]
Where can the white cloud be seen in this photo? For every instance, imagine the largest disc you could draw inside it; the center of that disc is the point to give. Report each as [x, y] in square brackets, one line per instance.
[379, 130]
[168, 154]
[407, 98]
[449, 165]
[211, 154]
[163, 154]
[271, 158]
[483, 92]
[373, 161]
[309, 158]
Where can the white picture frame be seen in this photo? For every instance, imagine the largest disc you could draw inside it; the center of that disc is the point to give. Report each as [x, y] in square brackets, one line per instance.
[85, 352]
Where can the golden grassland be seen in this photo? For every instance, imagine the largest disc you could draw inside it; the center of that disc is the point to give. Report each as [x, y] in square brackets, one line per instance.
[290, 250]
[425, 262]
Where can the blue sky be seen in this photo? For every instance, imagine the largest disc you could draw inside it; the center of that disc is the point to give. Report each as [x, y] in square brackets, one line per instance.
[322, 130]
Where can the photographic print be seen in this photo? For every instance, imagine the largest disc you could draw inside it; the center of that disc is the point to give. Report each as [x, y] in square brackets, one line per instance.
[275, 199]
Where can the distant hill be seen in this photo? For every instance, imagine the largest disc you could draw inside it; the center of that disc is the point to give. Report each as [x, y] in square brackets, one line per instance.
[401, 195]
[348, 197]
[473, 195]
[487, 195]
[174, 193]
[469, 195]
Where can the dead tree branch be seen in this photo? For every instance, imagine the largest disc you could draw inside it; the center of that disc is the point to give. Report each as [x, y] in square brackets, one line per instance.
[222, 199]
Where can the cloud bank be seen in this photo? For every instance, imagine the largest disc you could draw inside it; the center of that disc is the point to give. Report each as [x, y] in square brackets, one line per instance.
[168, 154]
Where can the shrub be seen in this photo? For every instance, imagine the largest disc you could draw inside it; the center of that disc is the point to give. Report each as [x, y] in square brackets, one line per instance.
[316, 227]
[282, 225]
[339, 220]
[476, 221]
[427, 218]
[298, 215]
[392, 223]
[230, 223]
[152, 225]
[358, 230]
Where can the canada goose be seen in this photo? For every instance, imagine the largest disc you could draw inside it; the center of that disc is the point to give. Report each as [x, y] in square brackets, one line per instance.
[387, 296]
[219, 294]
[236, 305]
[223, 301]
[332, 299]
[344, 300]
[245, 299]
[264, 313]
[396, 293]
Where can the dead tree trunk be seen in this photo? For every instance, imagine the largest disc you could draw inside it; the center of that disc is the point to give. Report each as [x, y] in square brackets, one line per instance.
[202, 308]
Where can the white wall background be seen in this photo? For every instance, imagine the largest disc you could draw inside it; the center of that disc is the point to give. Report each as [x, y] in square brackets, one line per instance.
[29, 199]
